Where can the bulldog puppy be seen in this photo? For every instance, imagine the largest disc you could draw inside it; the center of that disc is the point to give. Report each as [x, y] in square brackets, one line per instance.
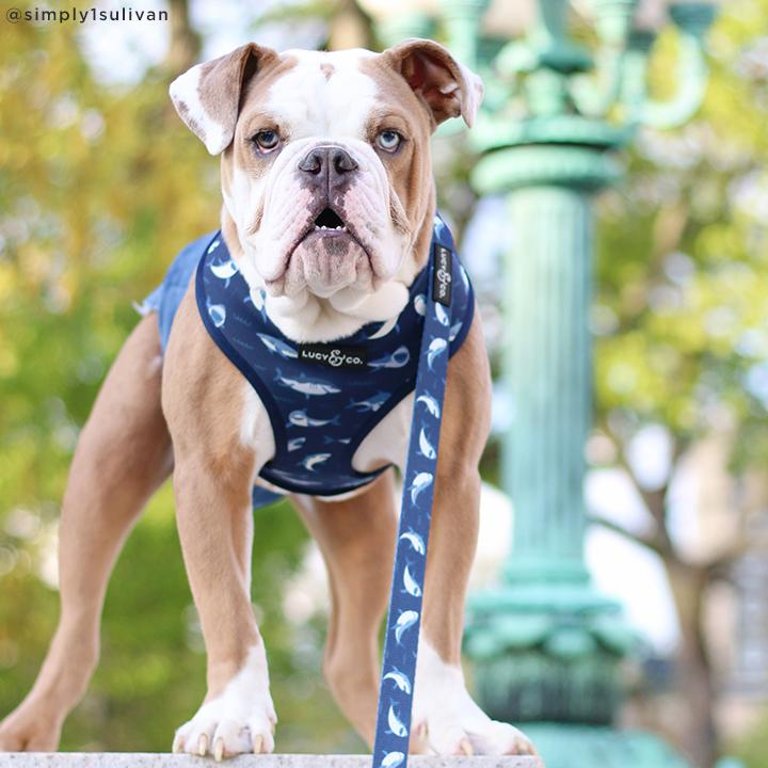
[328, 214]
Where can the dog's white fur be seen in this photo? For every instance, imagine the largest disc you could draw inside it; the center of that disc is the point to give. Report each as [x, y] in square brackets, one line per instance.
[443, 710]
[186, 89]
[240, 719]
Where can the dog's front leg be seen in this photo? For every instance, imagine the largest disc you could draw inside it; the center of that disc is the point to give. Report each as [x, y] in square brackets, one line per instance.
[213, 515]
[446, 719]
[204, 402]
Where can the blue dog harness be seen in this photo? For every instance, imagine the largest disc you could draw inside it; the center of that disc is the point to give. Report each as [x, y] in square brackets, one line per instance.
[323, 399]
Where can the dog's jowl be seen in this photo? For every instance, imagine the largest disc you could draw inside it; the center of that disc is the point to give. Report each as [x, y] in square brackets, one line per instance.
[289, 343]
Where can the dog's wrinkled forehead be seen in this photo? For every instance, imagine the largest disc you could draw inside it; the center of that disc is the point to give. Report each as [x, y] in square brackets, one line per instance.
[322, 94]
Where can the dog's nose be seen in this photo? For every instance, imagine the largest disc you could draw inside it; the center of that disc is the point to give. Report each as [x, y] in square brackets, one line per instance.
[332, 162]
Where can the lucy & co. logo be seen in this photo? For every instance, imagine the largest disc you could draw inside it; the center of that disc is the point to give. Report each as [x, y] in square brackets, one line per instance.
[441, 286]
[334, 356]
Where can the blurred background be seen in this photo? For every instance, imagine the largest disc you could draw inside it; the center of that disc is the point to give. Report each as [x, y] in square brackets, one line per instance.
[100, 185]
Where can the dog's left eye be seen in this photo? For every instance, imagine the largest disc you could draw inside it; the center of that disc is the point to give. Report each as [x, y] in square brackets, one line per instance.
[389, 141]
[266, 141]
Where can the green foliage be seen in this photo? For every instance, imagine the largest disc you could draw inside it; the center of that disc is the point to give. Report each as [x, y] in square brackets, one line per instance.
[92, 213]
[682, 275]
[682, 313]
[752, 748]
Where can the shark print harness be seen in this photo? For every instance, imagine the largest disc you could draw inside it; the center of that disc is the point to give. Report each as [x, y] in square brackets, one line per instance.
[324, 399]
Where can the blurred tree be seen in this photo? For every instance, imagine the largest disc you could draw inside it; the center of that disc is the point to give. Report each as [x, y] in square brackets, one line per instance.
[184, 46]
[682, 319]
[347, 25]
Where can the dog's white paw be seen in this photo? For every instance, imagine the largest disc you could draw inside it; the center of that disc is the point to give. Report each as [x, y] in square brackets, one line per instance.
[241, 719]
[446, 719]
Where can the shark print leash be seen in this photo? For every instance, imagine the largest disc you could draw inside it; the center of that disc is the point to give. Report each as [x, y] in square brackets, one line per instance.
[393, 722]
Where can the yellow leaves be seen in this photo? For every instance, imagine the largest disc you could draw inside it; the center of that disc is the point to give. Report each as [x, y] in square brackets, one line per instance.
[633, 371]
[691, 345]
[8, 358]
[34, 265]
[7, 280]
[692, 303]
[720, 242]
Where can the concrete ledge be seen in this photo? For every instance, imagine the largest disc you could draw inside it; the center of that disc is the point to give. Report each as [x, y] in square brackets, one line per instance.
[129, 760]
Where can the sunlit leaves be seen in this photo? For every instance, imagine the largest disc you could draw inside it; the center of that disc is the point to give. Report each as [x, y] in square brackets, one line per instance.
[689, 293]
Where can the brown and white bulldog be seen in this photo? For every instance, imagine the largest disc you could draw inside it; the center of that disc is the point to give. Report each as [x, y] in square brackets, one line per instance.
[294, 131]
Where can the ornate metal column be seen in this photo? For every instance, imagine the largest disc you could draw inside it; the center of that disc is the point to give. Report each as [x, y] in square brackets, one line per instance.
[546, 646]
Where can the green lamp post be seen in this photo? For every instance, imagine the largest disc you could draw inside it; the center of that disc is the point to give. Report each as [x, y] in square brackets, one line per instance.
[546, 646]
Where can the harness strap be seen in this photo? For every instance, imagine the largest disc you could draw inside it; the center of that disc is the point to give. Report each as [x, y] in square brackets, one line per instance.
[393, 722]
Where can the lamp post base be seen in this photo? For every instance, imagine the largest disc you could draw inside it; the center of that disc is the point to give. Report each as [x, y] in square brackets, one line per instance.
[583, 746]
[548, 652]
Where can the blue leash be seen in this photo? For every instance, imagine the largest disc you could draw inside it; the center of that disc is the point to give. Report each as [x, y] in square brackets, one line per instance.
[393, 721]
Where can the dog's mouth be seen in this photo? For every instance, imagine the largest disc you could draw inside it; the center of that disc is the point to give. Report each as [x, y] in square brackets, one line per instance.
[328, 222]
[327, 227]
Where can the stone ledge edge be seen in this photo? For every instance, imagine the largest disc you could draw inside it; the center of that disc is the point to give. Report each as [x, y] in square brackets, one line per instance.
[150, 760]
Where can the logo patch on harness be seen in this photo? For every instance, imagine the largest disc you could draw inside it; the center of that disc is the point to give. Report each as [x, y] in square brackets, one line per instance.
[333, 355]
[441, 285]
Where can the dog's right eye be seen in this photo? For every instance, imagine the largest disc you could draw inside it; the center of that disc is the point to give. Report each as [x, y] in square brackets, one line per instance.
[266, 141]
[389, 141]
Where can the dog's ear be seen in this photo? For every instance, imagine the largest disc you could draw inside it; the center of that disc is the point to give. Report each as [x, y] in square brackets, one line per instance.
[448, 88]
[207, 97]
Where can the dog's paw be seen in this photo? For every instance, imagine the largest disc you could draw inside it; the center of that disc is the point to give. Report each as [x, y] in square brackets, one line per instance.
[241, 719]
[30, 728]
[468, 732]
[447, 721]
[208, 733]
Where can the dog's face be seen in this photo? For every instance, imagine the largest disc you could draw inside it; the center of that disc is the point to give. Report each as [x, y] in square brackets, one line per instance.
[326, 168]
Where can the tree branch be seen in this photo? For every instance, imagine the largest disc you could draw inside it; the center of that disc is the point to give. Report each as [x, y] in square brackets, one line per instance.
[718, 568]
[185, 43]
[650, 542]
[655, 501]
